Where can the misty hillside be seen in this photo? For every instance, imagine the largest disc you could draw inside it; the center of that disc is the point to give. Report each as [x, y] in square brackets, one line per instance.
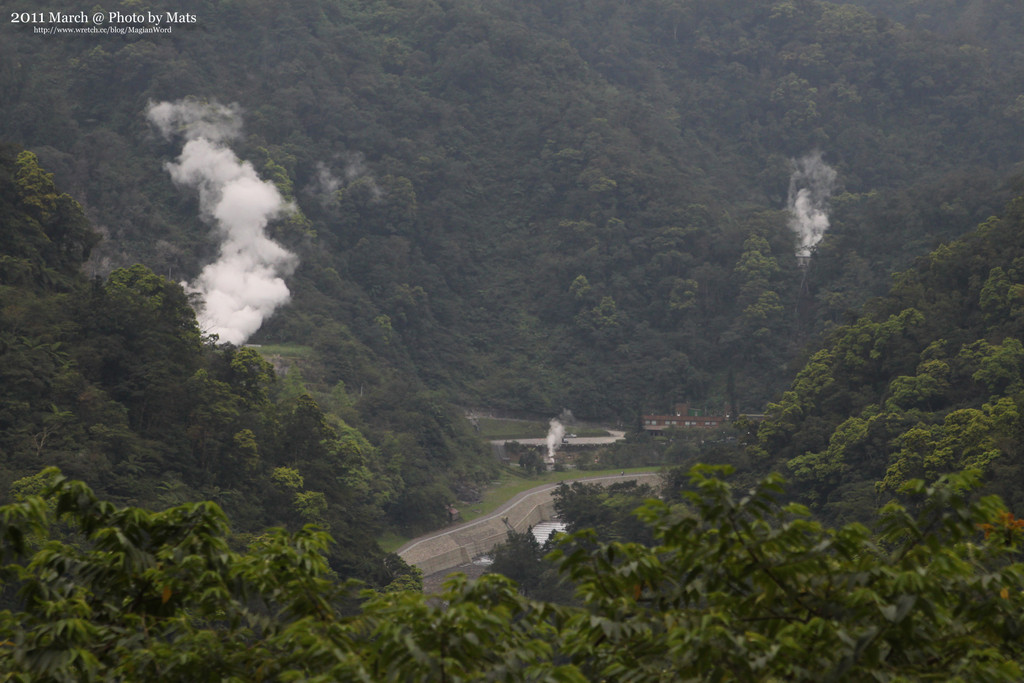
[927, 381]
[537, 205]
[284, 258]
[112, 382]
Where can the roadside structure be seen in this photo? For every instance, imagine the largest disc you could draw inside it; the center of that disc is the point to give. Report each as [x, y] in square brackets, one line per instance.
[683, 417]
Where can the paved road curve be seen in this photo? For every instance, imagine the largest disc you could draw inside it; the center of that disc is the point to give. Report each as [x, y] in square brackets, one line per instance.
[652, 477]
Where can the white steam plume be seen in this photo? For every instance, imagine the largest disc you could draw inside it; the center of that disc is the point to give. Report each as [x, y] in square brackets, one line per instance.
[355, 169]
[325, 184]
[555, 433]
[810, 187]
[244, 286]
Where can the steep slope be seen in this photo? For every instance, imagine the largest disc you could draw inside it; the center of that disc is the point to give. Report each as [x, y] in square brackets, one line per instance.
[539, 205]
[111, 381]
[927, 381]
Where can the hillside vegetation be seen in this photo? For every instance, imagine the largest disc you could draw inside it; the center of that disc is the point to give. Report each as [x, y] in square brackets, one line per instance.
[926, 382]
[528, 206]
[544, 205]
[443, 208]
[730, 587]
[111, 381]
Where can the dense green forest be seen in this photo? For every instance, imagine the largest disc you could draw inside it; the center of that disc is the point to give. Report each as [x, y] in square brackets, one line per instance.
[927, 381]
[524, 206]
[545, 205]
[734, 586]
[111, 380]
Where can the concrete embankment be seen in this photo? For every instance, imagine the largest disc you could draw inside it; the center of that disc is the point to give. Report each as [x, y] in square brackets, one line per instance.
[459, 544]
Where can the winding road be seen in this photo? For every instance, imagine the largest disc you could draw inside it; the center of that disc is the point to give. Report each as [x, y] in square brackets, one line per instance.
[453, 546]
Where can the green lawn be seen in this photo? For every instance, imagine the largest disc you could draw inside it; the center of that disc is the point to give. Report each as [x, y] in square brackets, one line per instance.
[506, 486]
[285, 350]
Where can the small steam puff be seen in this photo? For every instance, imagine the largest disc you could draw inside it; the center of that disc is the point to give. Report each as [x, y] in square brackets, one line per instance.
[810, 187]
[244, 286]
[555, 433]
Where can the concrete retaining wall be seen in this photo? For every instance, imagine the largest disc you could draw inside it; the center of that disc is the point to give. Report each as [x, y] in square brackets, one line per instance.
[466, 541]
[459, 545]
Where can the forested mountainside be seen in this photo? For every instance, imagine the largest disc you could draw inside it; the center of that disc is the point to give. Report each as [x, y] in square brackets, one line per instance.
[522, 205]
[111, 381]
[544, 205]
[528, 205]
[956, 17]
[928, 381]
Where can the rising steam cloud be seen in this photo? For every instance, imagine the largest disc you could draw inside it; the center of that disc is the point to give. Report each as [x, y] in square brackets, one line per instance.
[556, 430]
[810, 187]
[245, 284]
